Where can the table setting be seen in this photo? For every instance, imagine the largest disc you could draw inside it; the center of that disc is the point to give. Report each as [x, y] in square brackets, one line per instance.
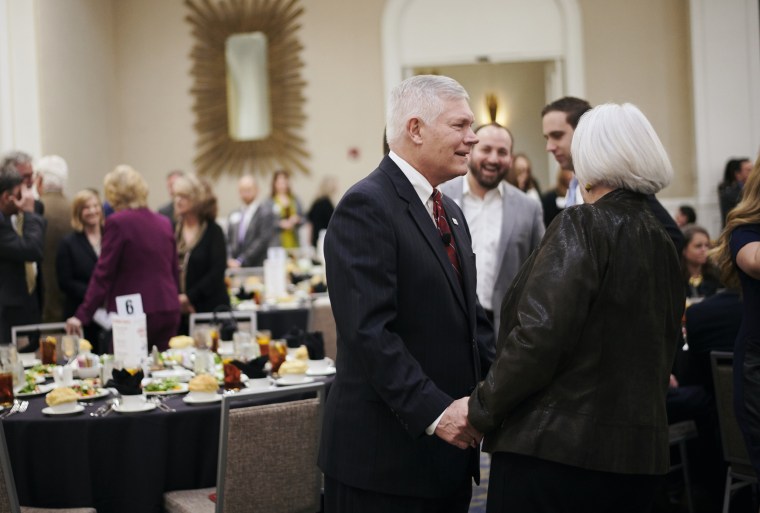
[139, 422]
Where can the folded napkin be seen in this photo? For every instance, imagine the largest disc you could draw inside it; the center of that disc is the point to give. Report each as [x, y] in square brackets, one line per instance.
[295, 337]
[315, 344]
[126, 382]
[253, 369]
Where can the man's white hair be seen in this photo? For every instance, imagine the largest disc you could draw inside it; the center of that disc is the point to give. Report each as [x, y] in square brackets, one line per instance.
[54, 172]
[421, 96]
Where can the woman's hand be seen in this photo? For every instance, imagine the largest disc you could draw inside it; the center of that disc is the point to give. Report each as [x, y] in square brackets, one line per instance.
[184, 304]
[73, 326]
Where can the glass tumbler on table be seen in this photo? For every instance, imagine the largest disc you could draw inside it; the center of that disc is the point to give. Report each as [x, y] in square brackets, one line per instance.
[69, 347]
[6, 377]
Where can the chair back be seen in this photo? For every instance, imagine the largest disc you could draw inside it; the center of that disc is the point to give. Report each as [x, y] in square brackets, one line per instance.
[246, 320]
[268, 452]
[280, 320]
[732, 440]
[8, 496]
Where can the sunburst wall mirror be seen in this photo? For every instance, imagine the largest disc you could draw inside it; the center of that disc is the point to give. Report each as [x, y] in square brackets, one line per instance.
[247, 86]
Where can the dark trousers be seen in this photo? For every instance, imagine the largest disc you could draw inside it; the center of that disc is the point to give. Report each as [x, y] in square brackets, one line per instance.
[341, 498]
[522, 483]
[23, 315]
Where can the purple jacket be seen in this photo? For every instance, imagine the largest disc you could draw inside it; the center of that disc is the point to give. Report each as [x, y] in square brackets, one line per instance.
[139, 255]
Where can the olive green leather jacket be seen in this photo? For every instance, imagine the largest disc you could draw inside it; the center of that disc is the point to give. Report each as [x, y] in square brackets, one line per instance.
[589, 331]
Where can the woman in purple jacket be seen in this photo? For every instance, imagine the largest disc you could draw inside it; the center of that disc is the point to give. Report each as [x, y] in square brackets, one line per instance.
[138, 256]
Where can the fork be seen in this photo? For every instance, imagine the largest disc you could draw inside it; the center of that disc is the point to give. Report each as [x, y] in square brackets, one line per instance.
[14, 409]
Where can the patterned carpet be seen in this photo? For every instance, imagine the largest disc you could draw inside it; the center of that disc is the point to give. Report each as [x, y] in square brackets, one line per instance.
[479, 493]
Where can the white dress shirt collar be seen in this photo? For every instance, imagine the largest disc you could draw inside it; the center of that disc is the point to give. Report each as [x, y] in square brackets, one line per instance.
[421, 186]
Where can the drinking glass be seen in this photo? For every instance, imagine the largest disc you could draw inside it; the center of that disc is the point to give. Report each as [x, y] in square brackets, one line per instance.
[6, 377]
[278, 351]
[263, 337]
[69, 347]
[48, 351]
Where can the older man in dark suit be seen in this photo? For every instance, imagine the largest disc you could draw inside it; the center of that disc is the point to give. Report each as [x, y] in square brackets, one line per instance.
[18, 301]
[412, 339]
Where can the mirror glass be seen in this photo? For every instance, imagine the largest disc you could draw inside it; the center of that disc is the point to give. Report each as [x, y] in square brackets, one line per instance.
[248, 110]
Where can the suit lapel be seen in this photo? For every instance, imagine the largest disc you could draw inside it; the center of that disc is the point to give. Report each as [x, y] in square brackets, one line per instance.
[425, 224]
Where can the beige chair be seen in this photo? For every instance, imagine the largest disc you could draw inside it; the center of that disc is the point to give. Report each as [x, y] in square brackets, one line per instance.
[8, 496]
[20, 334]
[267, 456]
[322, 320]
[740, 472]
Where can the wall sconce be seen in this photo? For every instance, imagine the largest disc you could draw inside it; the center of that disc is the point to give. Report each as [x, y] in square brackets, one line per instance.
[492, 104]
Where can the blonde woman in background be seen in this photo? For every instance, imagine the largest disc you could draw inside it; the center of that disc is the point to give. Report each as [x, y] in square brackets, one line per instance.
[77, 255]
[138, 256]
[201, 248]
[287, 210]
[738, 257]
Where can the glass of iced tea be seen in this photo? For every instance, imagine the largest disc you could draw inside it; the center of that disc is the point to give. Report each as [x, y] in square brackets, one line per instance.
[6, 377]
[263, 337]
[48, 351]
[278, 351]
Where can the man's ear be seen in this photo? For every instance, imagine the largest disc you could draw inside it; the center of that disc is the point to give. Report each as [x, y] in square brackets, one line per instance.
[414, 129]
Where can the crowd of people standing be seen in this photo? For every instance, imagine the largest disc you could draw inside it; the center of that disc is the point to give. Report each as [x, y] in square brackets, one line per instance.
[555, 350]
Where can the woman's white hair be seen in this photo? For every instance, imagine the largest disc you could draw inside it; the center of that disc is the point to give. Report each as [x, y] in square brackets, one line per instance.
[615, 145]
[420, 96]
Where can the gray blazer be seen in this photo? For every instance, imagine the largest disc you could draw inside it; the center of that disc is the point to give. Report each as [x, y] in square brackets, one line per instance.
[522, 228]
[252, 250]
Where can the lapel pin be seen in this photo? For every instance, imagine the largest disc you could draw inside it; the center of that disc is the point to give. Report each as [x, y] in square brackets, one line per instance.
[454, 220]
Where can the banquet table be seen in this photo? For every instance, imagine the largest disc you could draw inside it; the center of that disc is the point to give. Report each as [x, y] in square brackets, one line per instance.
[118, 463]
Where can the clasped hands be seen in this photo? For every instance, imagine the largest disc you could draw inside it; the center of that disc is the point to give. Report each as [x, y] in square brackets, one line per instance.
[454, 427]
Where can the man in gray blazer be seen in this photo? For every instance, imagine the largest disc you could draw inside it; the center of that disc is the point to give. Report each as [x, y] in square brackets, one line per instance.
[506, 225]
[250, 228]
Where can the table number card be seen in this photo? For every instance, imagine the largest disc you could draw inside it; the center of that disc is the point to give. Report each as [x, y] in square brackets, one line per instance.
[130, 333]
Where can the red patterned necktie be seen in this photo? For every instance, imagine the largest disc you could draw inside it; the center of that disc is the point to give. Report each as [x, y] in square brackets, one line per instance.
[439, 214]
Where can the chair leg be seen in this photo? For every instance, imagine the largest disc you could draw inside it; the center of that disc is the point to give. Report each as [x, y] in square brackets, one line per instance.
[686, 476]
[727, 493]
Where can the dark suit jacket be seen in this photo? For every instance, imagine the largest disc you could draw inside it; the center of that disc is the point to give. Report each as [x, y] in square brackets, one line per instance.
[204, 280]
[409, 340]
[252, 250]
[14, 251]
[138, 255]
[74, 264]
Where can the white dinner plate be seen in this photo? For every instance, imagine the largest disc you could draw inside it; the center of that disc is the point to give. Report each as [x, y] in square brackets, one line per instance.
[100, 392]
[77, 409]
[327, 371]
[194, 400]
[178, 374]
[181, 390]
[42, 389]
[30, 362]
[290, 379]
[139, 408]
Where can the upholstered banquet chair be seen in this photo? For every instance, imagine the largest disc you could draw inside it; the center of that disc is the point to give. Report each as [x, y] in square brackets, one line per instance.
[740, 472]
[267, 456]
[9, 498]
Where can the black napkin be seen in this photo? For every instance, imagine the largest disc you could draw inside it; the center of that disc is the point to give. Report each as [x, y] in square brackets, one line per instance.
[125, 382]
[295, 338]
[315, 344]
[253, 369]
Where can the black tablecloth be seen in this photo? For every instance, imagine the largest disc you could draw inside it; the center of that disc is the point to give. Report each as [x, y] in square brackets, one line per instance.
[118, 463]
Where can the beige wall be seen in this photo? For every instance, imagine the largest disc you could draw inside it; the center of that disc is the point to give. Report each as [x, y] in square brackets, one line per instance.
[639, 52]
[78, 87]
[115, 85]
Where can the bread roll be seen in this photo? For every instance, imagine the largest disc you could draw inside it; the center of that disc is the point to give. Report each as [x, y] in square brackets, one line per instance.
[60, 396]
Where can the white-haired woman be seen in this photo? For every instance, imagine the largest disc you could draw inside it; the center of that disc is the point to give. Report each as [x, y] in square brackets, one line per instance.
[573, 408]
